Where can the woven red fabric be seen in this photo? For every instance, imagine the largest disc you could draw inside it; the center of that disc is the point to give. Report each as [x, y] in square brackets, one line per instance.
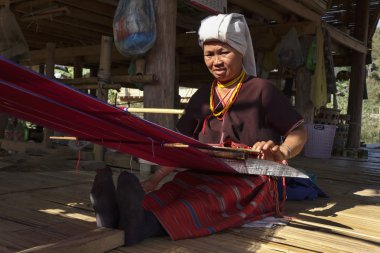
[35, 98]
[197, 204]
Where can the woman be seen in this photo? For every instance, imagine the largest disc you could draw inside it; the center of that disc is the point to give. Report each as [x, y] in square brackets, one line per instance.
[236, 108]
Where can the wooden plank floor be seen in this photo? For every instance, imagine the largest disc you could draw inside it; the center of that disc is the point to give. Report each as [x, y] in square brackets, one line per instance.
[46, 200]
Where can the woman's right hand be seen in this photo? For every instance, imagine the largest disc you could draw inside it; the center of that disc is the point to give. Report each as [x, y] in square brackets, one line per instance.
[271, 151]
[152, 183]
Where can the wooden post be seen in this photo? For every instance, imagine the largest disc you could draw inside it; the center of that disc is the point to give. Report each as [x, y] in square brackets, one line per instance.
[303, 90]
[50, 64]
[3, 124]
[104, 76]
[93, 72]
[177, 97]
[160, 61]
[358, 76]
[78, 67]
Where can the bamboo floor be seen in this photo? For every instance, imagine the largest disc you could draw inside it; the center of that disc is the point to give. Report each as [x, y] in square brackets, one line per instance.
[48, 201]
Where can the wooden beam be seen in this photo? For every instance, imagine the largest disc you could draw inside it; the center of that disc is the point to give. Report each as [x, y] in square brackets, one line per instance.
[259, 9]
[119, 79]
[187, 43]
[299, 9]
[373, 22]
[91, 6]
[68, 31]
[109, 2]
[28, 4]
[346, 40]
[96, 241]
[303, 28]
[319, 7]
[43, 38]
[67, 55]
[91, 17]
[335, 34]
[46, 32]
[100, 29]
[65, 52]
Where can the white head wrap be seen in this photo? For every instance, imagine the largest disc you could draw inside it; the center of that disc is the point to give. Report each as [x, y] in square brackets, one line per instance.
[233, 30]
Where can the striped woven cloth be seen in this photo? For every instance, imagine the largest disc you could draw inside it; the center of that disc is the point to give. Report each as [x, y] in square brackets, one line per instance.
[197, 204]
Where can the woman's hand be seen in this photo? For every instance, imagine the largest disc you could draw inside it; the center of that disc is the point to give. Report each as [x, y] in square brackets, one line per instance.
[150, 184]
[153, 181]
[271, 151]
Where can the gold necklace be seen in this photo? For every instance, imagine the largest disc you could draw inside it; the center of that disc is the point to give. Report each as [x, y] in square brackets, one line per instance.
[235, 80]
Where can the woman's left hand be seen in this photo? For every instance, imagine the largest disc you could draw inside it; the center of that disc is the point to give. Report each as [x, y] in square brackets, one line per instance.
[271, 151]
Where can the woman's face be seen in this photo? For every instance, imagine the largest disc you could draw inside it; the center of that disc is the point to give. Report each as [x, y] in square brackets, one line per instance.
[223, 61]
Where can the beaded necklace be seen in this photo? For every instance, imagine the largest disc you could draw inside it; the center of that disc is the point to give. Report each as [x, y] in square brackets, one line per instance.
[232, 97]
[225, 85]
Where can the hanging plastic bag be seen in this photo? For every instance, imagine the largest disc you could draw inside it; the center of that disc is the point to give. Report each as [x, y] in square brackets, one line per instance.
[12, 42]
[134, 27]
[289, 52]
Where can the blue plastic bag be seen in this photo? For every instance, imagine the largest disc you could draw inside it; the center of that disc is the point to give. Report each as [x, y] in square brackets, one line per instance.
[134, 27]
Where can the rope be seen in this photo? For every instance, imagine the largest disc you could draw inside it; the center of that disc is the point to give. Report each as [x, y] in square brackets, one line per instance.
[278, 206]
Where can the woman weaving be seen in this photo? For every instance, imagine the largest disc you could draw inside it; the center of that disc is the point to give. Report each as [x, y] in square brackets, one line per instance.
[236, 108]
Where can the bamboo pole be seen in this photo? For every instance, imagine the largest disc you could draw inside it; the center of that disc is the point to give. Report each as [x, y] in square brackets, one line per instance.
[104, 75]
[156, 110]
[64, 138]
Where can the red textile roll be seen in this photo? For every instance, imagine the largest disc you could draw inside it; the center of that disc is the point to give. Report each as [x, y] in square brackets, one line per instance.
[197, 204]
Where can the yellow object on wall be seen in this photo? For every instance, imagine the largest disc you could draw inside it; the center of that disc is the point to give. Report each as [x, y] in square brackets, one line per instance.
[318, 81]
